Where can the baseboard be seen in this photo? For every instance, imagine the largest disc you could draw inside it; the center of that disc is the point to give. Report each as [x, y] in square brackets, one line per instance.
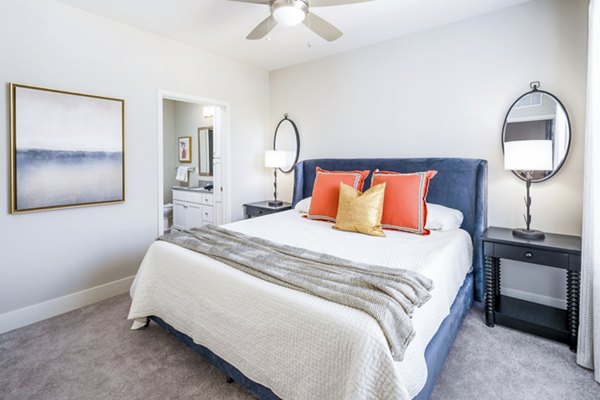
[536, 298]
[60, 305]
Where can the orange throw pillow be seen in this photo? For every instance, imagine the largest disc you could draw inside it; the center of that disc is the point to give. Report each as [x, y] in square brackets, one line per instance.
[326, 191]
[404, 207]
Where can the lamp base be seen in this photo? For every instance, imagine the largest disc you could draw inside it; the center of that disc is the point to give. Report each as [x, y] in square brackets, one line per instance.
[275, 203]
[530, 234]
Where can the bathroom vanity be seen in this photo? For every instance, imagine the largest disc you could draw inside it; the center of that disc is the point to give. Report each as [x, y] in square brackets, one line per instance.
[192, 207]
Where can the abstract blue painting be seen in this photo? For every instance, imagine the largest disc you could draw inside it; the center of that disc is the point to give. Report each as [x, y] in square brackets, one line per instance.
[67, 149]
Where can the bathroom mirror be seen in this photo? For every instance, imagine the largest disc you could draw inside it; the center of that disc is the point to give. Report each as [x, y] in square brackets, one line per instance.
[205, 151]
[287, 139]
[539, 115]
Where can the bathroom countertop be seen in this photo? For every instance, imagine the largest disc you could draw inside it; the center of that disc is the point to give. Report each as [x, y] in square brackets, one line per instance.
[192, 189]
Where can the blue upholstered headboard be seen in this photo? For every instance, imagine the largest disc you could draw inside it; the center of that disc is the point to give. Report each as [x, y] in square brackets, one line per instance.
[461, 183]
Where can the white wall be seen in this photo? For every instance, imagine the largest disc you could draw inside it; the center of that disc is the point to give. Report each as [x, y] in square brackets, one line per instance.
[50, 254]
[444, 93]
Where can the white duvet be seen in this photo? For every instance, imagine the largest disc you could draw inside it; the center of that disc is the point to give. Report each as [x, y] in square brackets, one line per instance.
[298, 345]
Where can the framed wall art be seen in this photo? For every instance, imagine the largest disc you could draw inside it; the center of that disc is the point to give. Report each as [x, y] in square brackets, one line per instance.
[67, 149]
[185, 149]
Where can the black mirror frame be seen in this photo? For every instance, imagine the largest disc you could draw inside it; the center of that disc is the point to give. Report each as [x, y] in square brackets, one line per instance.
[285, 118]
[535, 89]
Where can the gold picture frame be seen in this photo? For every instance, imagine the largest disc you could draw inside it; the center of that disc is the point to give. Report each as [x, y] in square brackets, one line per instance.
[184, 149]
[67, 149]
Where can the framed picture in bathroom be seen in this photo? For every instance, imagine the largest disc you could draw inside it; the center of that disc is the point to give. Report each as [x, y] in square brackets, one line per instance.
[67, 149]
[185, 149]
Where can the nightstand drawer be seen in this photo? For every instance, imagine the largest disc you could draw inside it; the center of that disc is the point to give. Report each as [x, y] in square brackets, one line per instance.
[530, 255]
[256, 212]
[252, 210]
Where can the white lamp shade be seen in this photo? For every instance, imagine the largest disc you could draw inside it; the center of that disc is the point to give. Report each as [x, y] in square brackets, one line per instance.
[278, 158]
[528, 155]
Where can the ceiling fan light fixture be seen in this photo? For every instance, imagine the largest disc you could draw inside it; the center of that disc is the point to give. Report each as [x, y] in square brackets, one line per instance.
[289, 12]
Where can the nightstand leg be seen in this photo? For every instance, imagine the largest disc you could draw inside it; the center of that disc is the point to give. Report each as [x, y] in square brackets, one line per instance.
[497, 291]
[491, 271]
[573, 284]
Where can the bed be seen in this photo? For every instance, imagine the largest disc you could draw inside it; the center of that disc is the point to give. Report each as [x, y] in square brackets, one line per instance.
[280, 343]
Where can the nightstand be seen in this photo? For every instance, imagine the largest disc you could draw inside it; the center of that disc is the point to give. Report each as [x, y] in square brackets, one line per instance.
[558, 251]
[261, 208]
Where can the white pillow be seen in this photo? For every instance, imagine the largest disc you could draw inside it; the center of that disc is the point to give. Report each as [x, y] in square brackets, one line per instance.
[440, 218]
[303, 205]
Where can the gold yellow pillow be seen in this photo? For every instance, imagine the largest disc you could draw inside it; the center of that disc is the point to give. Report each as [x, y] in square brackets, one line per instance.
[360, 212]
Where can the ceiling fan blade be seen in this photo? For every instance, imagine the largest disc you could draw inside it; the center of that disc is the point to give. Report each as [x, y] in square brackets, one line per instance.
[262, 29]
[327, 3]
[322, 28]
[267, 2]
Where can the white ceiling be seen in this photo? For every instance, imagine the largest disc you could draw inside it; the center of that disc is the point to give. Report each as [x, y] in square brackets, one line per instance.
[220, 26]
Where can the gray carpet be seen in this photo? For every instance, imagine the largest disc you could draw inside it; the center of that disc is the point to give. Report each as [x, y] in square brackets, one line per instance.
[91, 354]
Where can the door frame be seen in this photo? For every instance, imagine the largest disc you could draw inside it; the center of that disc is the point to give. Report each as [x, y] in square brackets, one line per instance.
[225, 132]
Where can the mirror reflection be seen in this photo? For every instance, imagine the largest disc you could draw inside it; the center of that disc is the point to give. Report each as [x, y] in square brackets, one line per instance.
[539, 115]
[287, 139]
[205, 151]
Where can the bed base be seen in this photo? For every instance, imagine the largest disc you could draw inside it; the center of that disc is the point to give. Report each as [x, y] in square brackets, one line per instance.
[435, 354]
[440, 345]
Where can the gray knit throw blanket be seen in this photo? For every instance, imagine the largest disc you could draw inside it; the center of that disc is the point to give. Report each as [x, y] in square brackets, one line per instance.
[389, 295]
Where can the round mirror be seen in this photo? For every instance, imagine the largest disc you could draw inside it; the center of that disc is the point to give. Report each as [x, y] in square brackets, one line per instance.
[287, 139]
[539, 115]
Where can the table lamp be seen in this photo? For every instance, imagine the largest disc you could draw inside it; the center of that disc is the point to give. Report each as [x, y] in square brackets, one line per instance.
[276, 159]
[528, 156]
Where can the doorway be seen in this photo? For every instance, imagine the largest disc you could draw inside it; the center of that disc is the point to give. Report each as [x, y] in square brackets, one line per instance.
[193, 140]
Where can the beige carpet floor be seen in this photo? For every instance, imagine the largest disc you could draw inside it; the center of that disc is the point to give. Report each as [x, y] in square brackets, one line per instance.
[91, 354]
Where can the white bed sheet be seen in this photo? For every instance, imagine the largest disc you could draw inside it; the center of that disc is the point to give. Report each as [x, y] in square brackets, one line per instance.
[256, 325]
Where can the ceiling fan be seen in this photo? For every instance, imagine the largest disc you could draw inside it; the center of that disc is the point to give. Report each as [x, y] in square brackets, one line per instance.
[294, 12]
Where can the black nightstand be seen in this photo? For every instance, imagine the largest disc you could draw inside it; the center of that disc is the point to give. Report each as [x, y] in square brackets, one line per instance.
[261, 208]
[558, 251]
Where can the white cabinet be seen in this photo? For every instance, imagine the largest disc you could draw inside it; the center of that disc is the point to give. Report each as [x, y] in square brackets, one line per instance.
[179, 215]
[192, 209]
